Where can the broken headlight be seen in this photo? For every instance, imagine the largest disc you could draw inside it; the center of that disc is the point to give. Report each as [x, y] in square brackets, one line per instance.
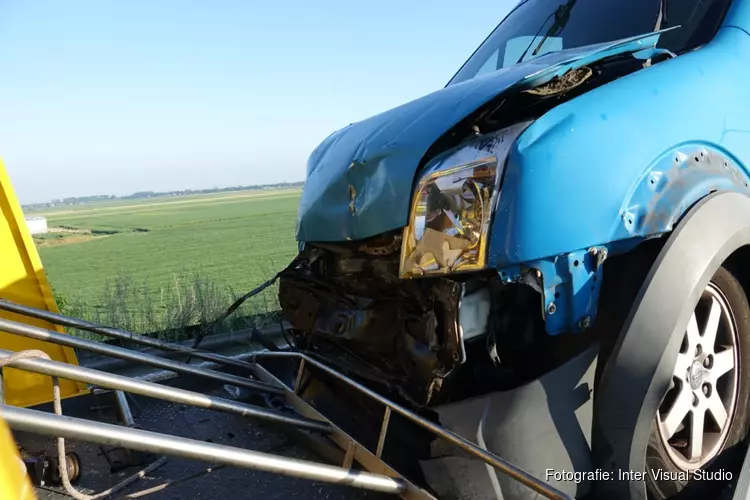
[453, 205]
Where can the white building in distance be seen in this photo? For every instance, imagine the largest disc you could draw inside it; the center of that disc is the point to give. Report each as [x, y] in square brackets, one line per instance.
[36, 225]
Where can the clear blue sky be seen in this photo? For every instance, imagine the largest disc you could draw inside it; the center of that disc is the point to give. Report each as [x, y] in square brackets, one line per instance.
[117, 96]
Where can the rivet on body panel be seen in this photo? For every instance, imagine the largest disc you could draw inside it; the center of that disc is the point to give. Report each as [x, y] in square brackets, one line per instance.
[655, 180]
[629, 219]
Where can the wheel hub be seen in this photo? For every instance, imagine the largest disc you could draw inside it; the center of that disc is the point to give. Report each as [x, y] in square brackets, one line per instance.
[697, 374]
[695, 417]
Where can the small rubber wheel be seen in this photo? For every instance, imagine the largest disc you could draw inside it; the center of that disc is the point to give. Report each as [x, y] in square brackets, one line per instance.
[692, 450]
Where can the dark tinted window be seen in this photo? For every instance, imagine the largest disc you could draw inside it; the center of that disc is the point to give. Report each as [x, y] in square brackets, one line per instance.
[539, 26]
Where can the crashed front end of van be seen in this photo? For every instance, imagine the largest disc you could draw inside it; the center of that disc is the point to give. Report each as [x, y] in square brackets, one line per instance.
[401, 308]
[427, 272]
[407, 233]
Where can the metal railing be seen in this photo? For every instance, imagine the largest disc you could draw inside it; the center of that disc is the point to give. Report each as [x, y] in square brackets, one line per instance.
[391, 481]
[491, 459]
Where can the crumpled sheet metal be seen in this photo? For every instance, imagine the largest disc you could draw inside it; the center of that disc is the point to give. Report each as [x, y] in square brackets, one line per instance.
[377, 158]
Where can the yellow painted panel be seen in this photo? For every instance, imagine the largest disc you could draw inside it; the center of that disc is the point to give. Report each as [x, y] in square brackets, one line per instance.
[23, 280]
[14, 483]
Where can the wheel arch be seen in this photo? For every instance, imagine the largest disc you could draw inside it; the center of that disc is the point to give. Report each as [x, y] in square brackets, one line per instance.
[674, 182]
[636, 375]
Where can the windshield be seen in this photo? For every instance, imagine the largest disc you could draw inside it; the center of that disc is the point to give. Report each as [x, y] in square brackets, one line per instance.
[536, 27]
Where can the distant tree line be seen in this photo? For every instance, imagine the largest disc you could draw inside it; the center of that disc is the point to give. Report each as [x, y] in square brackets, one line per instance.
[77, 200]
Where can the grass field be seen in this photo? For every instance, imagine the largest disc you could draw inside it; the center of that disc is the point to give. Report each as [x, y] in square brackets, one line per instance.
[143, 263]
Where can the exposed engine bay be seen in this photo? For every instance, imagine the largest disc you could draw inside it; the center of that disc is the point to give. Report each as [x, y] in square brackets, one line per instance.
[348, 307]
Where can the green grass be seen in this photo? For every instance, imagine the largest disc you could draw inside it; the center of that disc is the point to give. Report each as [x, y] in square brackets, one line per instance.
[170, 261]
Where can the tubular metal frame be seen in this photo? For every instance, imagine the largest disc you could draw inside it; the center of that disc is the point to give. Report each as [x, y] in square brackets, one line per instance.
[116, 333]
[507, 468]
[34, 421]
[120, 383]
[49, 424]
[34, 332]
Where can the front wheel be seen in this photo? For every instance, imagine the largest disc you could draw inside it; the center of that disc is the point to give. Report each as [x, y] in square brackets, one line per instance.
[704, 413]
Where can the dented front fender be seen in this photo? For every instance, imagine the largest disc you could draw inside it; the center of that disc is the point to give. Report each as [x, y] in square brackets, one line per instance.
[359, 180]
[620, 164]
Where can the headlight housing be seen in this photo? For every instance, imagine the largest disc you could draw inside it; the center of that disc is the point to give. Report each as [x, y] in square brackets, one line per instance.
[453, 205]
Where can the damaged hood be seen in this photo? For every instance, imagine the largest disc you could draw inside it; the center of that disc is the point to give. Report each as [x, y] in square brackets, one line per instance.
[359, 179]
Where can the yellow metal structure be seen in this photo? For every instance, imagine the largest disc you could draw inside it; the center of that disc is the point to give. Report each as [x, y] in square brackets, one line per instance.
[14, 483]
[23, 280]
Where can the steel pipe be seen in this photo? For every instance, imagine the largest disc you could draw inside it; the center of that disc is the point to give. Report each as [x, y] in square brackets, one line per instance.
[173, 394]
[507, 468]
[61, 319]
[123, 407]
[48, 424]
[162, 375]
[37, 333]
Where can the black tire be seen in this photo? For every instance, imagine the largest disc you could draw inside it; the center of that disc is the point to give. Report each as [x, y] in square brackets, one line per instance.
[679, 484]
[624, 275]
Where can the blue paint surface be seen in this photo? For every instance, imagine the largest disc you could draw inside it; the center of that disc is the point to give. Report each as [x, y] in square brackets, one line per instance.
[604, 170]
[359, 180]
[575, 173]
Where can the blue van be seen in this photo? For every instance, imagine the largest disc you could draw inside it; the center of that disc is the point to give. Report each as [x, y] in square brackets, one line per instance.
[550, 255]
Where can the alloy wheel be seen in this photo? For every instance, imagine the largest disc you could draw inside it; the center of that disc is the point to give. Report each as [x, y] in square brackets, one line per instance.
[696, 414]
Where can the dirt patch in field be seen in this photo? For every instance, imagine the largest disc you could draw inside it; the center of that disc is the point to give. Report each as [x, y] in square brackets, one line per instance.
[65, 235]
[65, 240]
[67, 230]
